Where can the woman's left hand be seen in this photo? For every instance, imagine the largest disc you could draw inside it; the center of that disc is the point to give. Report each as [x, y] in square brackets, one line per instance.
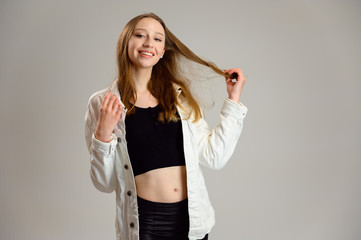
[234, 89]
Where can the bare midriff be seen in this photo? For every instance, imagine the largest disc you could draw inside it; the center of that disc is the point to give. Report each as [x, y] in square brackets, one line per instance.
[165, 185]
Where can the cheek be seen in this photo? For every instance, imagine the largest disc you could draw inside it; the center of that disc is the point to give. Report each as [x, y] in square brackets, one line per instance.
[160, 48]
[132, 45]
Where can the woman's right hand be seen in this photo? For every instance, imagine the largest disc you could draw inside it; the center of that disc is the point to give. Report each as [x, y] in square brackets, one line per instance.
[109, 115]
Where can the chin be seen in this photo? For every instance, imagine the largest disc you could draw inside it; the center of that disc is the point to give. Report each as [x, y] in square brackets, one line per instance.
[147, 65]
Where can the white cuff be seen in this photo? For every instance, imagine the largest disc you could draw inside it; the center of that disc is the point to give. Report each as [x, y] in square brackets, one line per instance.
[103, 147]
[234, 109]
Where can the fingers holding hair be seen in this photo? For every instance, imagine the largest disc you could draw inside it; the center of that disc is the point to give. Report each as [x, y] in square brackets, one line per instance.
[234, 88]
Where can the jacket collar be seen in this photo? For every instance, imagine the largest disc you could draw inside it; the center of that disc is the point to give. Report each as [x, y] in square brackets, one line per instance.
[113, 87]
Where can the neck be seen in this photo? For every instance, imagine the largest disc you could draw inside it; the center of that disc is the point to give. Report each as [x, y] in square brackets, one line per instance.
[141, 77]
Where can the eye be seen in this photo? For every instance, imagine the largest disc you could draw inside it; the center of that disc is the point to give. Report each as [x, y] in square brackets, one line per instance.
[158, 39]
[139, 35]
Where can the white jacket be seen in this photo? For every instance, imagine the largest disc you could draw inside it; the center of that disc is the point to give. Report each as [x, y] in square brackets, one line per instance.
[111, 168]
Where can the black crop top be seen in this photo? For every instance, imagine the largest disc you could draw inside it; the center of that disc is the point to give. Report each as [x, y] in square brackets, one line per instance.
[152, 144]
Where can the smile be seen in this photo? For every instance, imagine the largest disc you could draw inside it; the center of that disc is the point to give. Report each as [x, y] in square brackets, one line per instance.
[146, 53]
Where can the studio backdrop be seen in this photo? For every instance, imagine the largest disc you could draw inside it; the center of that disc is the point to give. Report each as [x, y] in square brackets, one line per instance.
[296, 171]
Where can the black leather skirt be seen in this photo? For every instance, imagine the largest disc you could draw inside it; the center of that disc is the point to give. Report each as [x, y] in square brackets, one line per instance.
[163, 221]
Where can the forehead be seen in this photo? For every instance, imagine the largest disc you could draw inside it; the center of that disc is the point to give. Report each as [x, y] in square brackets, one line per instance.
[150, 25]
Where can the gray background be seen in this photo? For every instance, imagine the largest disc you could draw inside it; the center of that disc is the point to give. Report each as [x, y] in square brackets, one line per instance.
[297, 168]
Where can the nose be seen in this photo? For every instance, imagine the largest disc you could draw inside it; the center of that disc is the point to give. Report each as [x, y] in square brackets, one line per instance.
[147, 43]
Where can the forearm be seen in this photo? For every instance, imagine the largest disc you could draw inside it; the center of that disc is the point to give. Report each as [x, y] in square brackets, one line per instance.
[217, 146]
[102, 164]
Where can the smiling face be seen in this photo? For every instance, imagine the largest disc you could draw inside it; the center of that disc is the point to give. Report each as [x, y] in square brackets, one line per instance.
[146, 45]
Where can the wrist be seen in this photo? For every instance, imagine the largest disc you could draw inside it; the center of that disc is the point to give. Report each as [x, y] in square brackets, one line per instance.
[103, 137]
[236, 99]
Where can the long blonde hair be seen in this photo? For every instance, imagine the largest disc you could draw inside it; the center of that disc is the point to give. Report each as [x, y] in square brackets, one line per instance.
[165, 73]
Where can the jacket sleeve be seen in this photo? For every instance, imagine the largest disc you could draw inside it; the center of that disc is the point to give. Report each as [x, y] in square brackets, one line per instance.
[217, 146]
[102, 155]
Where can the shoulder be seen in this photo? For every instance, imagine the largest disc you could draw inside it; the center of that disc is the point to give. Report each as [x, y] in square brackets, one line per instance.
[186, 111]
[97, 97]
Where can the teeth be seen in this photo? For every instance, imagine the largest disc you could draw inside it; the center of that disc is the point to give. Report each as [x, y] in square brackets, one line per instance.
[146, 53]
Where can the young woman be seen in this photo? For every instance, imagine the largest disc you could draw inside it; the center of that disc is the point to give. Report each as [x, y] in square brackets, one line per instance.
[146, 136]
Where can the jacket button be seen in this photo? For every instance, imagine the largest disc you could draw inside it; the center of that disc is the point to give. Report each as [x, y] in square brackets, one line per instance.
[132, 225]
[119, 140]
[126, 166]
[129, 193]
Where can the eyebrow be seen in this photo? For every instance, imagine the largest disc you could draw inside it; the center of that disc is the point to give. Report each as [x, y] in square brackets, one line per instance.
[146, 30]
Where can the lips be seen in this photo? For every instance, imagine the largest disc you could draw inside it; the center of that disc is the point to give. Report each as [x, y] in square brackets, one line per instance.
[146, 53]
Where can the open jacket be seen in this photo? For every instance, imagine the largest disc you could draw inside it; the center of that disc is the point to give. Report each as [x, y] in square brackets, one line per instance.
[111, 168]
